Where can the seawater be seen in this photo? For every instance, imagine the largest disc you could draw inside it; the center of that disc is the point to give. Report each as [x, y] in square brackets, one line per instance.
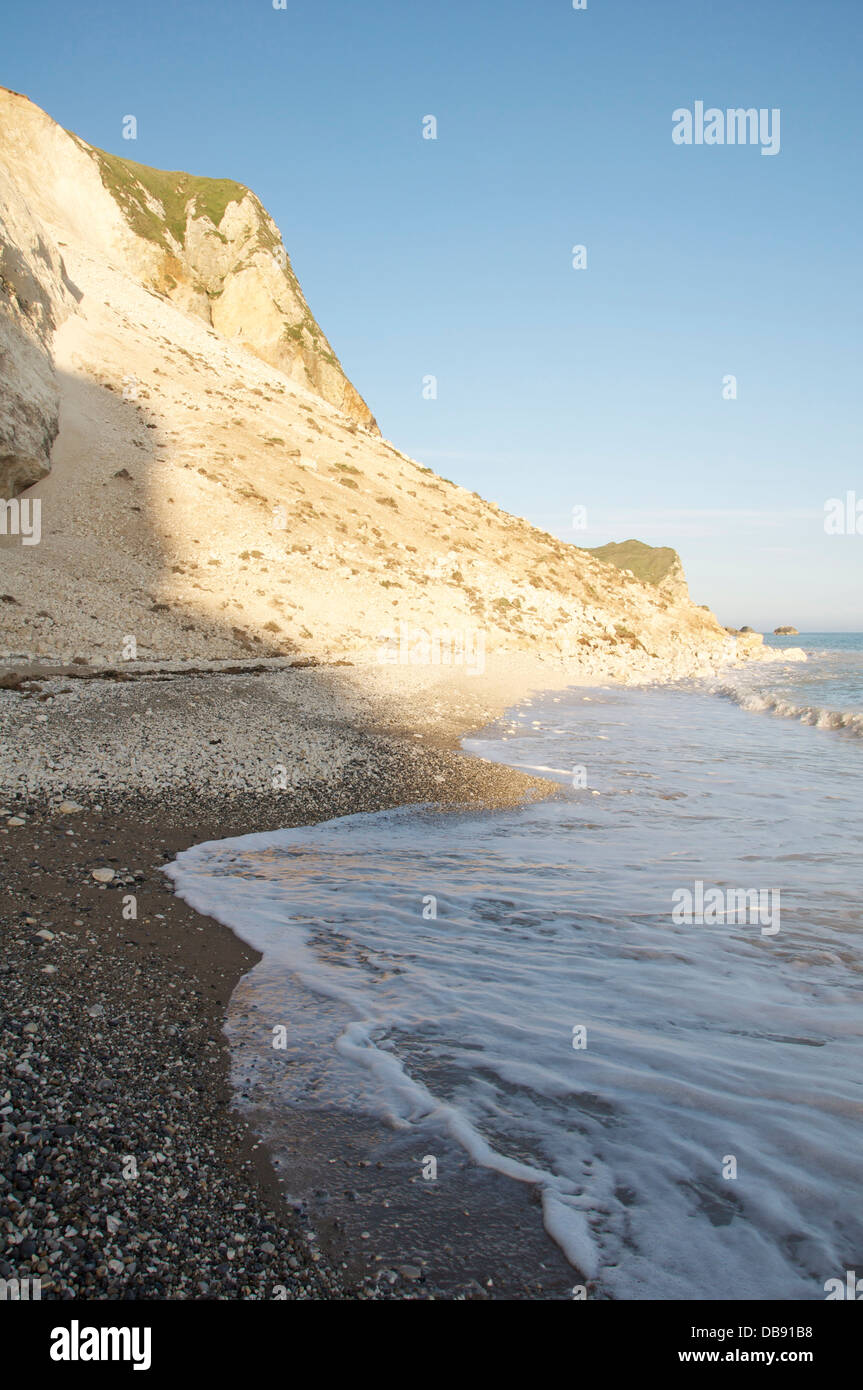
[686, 1099]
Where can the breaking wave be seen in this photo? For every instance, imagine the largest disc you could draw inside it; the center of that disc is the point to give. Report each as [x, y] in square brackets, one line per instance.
[516, 981]
[762, 702]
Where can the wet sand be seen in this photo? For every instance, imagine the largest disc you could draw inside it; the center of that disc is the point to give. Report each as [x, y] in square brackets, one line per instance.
[113, 1047]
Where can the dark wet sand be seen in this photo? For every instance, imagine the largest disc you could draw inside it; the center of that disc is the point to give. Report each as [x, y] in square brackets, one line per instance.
[154, 1065]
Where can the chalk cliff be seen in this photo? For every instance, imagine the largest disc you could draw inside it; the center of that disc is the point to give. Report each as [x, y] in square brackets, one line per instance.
[35, 297]
[206, 244]
[218, 487]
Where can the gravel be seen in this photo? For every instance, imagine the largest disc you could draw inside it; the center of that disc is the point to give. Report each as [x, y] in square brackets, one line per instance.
[125, 1172]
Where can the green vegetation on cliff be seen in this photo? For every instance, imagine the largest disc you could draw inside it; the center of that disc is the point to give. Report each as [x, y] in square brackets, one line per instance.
[130, 183]
[649, 563]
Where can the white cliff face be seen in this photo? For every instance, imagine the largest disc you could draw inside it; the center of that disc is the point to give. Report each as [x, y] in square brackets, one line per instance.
[206, 244]
[674, 582]
[35, 297]
[60, 181]
[213, 492]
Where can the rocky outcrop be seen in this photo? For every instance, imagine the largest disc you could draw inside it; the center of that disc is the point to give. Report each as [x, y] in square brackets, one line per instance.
[748, 642]
[658, 565]
[785, 632]
[750, 647]
[35, 297]
[206, 244]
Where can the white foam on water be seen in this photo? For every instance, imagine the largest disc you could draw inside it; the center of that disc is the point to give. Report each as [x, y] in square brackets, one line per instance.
[833, 673]
[703, 1043]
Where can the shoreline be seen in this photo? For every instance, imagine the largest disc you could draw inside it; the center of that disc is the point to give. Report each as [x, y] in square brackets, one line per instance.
[133, 1011]
[120, 1050]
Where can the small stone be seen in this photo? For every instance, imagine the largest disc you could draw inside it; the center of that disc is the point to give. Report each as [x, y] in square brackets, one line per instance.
[103, 875]
[44, 935]
[16, 820]
[69, 808]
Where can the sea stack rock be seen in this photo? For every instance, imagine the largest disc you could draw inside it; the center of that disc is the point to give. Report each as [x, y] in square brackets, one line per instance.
[785, 632]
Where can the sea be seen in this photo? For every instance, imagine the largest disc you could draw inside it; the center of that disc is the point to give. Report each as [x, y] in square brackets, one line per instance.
[639, 998]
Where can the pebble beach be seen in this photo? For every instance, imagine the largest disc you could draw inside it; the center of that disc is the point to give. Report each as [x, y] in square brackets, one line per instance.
[126, 1171]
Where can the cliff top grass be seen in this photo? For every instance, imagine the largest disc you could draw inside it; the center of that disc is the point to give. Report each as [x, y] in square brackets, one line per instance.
[129, 183]
[649, 563]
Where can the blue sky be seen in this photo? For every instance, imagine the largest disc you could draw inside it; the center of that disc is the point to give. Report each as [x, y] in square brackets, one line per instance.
[557, 387]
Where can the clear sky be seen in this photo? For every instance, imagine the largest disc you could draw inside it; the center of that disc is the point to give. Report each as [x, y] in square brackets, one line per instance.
[600, 387]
